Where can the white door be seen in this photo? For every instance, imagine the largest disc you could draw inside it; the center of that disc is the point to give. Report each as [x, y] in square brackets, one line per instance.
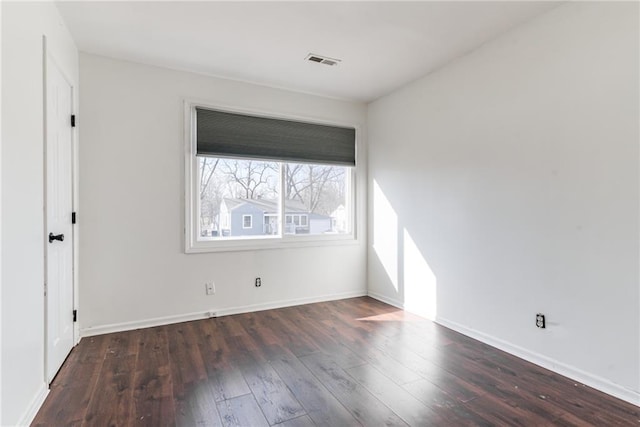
[58, 230]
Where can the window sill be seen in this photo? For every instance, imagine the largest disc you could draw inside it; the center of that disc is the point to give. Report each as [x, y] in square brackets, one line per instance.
[269, 243]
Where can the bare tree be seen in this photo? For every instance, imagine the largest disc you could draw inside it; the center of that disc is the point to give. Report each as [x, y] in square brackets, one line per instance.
[250, 179]
[319, 187]
[209, 194]
[207, 168]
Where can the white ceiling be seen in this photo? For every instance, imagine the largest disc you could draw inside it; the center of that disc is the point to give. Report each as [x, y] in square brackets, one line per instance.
[382, 45]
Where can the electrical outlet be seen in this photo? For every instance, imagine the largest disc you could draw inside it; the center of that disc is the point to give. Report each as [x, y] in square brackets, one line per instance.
[210, 288]
[258, 282]
[540, 322]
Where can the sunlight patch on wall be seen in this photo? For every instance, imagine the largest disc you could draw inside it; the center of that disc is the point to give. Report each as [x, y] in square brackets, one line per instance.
[385, 233]
[420, 290]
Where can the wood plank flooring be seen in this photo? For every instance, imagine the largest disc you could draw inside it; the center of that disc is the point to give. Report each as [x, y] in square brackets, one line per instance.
[341, 363]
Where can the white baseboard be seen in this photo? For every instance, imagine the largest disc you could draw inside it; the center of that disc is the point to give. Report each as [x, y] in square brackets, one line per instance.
[386, 300]
[166, 320]
[34, 406]
[574, 373]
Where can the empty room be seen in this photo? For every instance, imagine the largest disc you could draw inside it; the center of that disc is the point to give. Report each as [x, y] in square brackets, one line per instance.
[320, 213]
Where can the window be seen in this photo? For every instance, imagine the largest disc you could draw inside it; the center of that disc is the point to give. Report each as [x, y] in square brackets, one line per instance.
[232, 191]
[295, 178]
[320, 194]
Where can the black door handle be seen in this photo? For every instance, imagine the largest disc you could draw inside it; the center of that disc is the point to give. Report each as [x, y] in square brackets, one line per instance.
[53, 237]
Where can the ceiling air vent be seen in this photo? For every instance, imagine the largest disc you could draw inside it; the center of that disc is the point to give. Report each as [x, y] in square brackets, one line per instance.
[322, 59]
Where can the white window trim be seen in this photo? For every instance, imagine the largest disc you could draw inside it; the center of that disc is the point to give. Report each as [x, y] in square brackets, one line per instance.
[250, 221]
[244, 243]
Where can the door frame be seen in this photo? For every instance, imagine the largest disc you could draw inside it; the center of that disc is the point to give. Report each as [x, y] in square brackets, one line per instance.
[49, 57]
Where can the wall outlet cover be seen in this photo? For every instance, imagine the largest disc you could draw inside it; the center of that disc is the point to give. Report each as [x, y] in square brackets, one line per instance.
[540, 321]
[210, 288]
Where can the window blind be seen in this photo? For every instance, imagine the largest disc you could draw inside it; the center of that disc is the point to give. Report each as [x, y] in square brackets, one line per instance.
[237, 135]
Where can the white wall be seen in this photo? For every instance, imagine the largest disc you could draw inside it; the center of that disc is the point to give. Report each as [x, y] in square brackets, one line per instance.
[23, 25]
[506, 184]
[132, 264]
[1, 398]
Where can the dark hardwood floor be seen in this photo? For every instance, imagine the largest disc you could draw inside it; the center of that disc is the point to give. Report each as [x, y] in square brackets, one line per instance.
[341, 363]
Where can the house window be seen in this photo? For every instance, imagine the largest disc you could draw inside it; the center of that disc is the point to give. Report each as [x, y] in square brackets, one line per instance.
[241, 166]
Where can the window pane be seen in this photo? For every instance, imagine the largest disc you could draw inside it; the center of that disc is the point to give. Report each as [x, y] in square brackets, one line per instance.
[319, 197]
[238, 198]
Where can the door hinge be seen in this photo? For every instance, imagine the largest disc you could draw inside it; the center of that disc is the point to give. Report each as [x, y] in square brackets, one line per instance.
[73, 120]
[75, 315]
[73, 217]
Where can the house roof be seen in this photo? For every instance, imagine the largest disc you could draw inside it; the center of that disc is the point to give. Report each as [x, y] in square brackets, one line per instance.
[267, 205]
[233, 203]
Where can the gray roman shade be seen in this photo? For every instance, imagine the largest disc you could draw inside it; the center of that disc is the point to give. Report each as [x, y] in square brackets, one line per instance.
[238, 135]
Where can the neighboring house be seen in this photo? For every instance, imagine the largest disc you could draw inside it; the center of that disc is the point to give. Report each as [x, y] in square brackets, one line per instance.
[251, 217]
[319, 224]
[339, 220]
